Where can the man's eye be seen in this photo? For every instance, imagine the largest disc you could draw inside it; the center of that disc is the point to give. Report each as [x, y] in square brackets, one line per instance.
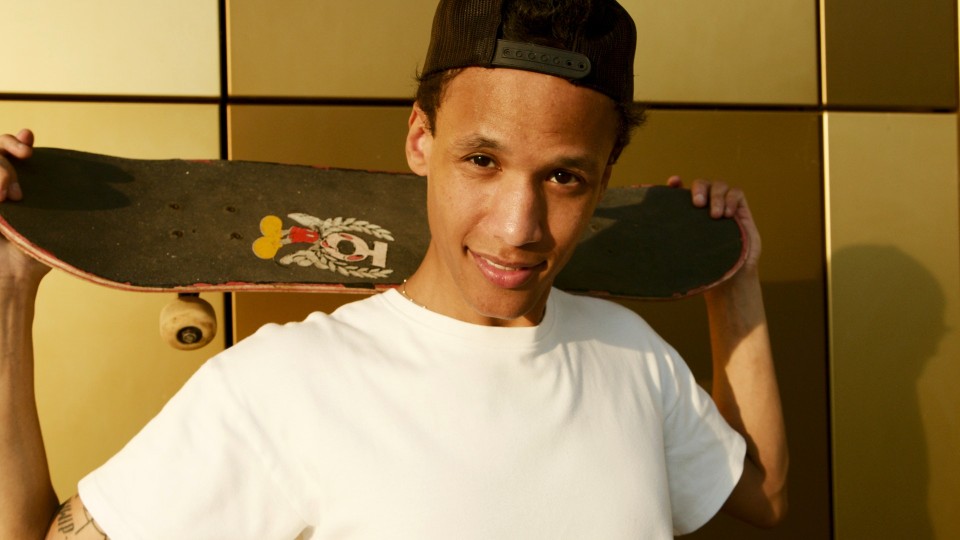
[565, 178]
[481, 161]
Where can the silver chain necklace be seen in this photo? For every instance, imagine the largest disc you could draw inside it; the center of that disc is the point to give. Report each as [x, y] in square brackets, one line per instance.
[403, 291]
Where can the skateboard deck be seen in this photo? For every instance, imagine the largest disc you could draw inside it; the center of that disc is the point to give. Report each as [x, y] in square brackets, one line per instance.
[193, 226]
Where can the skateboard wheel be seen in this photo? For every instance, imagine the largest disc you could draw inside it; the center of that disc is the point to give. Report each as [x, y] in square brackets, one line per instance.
[188, 323]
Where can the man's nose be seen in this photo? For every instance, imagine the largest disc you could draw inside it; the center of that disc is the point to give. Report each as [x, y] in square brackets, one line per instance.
[518, 214]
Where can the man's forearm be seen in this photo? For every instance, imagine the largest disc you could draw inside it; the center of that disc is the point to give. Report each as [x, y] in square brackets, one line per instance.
[746, 392]
[27, 500]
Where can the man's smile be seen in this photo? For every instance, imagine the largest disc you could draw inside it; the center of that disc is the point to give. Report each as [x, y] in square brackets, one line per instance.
[506, 274]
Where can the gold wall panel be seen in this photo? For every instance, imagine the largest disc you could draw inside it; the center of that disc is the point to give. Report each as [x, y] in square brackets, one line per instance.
[775, 157]
[688, 51]
[894, 244]
[331, 136]
[890, 54]
[112, 47]
[351, 137]
[307, 48]
[102, 369]
[751, 51]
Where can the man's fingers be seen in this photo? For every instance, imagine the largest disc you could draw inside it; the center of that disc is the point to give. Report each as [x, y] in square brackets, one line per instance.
[718, 199]
[735, 199]
[26, 137]
[700, 192]
[712, 195]
[722, 200]
[14, 192]
[9, 189]
[18, 146]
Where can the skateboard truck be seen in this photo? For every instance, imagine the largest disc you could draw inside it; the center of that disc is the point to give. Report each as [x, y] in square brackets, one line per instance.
[188, 322]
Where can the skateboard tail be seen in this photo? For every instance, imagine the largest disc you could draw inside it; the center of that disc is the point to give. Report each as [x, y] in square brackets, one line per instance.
[46, 257]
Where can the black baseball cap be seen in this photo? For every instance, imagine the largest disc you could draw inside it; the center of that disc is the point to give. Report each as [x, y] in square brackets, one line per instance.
[599, 55]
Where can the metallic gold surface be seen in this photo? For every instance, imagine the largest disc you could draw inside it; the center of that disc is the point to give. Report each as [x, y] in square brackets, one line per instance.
[890, 54]
[111, 47]
[306, 48]
[745, 52]
[894, 248]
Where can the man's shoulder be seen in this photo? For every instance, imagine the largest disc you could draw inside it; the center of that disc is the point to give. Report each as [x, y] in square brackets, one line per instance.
[599, 310]
[321, 325]
[603, 320]
[298, 356]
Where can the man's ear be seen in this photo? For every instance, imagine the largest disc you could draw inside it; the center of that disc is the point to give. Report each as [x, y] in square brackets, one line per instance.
[419, 141]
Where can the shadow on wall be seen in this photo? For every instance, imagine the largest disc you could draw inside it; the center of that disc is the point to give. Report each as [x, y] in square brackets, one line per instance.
[796, 312]
[888, 321]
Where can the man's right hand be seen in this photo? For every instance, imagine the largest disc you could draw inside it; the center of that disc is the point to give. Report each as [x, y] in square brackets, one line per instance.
[19, 146]
[16, 268]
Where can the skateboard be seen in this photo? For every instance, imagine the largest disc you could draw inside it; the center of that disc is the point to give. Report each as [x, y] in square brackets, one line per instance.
[194, 226]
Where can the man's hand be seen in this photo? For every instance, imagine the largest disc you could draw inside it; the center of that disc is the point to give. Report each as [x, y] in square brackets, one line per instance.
[726, 202]
[744, 383]
[16, 268]
[19, 146]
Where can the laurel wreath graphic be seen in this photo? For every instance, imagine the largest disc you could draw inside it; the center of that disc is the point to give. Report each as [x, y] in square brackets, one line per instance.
[329, 226]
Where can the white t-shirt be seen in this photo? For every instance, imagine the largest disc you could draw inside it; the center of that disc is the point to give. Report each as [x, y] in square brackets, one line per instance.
[385, 420]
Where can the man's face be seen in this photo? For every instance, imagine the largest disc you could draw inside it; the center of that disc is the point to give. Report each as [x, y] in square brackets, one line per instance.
[516, 164]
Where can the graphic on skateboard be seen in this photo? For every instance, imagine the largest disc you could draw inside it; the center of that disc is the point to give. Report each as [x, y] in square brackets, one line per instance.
[194, 226]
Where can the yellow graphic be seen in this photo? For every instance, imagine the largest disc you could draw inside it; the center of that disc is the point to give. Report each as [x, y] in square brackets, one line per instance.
[267, 245]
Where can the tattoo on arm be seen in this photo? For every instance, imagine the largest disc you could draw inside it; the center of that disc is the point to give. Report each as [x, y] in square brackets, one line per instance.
[68, 526]
[65, 518]
[91, 522]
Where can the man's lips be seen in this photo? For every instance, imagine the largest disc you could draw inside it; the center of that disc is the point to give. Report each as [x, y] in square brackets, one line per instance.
[505, 274]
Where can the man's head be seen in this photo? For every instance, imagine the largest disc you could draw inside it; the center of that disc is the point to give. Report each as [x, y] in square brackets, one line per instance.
[517, 147]
[590, 43]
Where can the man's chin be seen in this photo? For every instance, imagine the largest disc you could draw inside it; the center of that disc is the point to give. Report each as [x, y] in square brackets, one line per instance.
[516, 308]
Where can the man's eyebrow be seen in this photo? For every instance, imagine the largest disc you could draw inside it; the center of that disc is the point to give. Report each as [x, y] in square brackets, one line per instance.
[476, 142]
[585, 163]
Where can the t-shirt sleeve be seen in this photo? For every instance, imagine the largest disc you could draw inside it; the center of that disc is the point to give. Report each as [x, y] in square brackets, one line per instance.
[704, 454]
[200, 469]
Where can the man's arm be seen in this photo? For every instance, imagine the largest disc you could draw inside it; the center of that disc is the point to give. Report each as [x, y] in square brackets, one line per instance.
[27, 500]
[744, 383]
[28, 504]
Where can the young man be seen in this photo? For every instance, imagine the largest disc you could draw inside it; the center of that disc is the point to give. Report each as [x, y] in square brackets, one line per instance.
[476, 401]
